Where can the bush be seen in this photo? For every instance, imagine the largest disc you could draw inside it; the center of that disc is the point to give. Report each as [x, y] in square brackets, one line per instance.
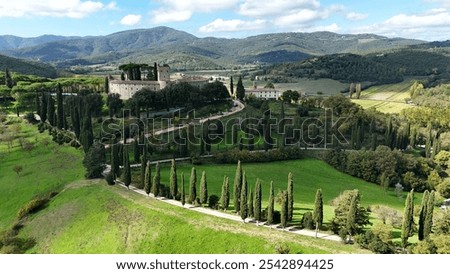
[34, 205]
[374, 243]
[30, 118]
[308, 220]
[110, 179]
[213, 201]
[276, 216]
[233, 156]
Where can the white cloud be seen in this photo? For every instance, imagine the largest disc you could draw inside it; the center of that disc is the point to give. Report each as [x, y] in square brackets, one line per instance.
[220, 25]
[257, 8]
[182, 10]
[353, 16]
[431, 25]
[112, 6]
[301, 17]
[131, 20]
[331, 28]
[51, 8]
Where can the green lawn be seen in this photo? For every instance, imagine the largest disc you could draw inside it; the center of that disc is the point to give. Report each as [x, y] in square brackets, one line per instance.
[92, 217]
[47, 167]
[309, 175]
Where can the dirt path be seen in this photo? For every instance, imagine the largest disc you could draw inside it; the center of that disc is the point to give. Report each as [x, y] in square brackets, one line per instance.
[231, 217]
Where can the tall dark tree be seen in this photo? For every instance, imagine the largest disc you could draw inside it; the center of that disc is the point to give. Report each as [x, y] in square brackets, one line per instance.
[94, 161]
[126, 167]
[44, 103]
[136, 150]
[423, 214]
[318, 210]
[60, 109]
[408, 219]
[86, 134]
[155, 71]
[251, 201]
[173, 180]
[143, 164]
[258, 198]
[270, 207]
[75, 116]
[237, 187]
[428, 224]
[225, 197]
[203, 189]
[351, 225]
[290, 193]
[183, 191]
[240, 90]
[106, 85]
[231, 85]
[156, 185]
[115, 161]
[9, 82]
[51, 110]
[243, 201]
[284, 209]
[192, 186]
[148, 178]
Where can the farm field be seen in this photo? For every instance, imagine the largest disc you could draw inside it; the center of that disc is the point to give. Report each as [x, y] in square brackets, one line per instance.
[386, 98]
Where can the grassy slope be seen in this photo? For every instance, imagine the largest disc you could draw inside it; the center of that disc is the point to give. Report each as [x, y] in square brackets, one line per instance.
[95, 218]
[46, 168]
[386, 98]
[309, 175]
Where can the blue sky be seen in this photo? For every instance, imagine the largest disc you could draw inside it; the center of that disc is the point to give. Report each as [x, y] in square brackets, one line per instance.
[420, 19]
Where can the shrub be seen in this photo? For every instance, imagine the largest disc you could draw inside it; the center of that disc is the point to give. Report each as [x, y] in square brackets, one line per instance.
[213, 201]
[32, 206]
[110, 179]
[30, 118]
[308, 220]
[276, 216]
[282, 249]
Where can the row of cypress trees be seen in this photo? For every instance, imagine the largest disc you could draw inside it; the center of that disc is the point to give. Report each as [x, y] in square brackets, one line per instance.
[247, 202]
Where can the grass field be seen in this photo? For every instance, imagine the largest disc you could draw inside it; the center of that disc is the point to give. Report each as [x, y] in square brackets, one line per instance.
[47, 167]
[386, 98]
[95, 218]
[309, 175]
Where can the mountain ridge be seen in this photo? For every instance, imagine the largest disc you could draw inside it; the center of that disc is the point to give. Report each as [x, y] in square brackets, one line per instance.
[141, 44]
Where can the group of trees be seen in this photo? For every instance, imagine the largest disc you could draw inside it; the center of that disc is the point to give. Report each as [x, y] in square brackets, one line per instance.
[178, 95]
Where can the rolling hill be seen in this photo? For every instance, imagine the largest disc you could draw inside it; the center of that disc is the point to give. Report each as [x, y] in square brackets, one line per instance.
[27, 67]
[138, 45]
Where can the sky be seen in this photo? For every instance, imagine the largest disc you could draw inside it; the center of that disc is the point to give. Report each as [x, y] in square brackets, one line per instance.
[418, 19]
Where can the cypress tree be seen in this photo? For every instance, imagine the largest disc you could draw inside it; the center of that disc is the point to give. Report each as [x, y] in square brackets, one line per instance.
[351, 215]
[234, 132]
[143, 165]
[284, 209]
[148, 178]
[408, 219]
[251, 200]
[9, 82]
[51, 110]
[87, 136]
[126, 167]
[240, 90]
[155, 71]
[115, 161]
[183, 192]
[60, 109]
[203, 189]
[106, 87]
[231, 85]
[225, 197]
[428, 224]
[44, 103]
[290, 193]
[422, 215]
[237, 187]
[136, 150]
[318, 210]
[156, 181]
[270, 207]
[192, 186]
[173, 180]
[258, 197]
[75, 117]
[243, 201]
